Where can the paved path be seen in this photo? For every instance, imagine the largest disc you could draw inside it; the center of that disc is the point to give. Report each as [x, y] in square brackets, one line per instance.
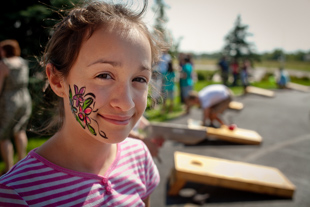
[284, 124]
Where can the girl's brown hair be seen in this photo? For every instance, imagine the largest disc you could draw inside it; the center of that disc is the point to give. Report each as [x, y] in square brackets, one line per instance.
[63, 47]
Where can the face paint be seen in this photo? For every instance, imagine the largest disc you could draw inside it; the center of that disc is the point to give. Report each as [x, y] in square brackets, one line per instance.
[82, 105]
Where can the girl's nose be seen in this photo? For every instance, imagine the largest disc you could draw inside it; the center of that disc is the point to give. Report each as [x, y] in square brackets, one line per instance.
[122, 98]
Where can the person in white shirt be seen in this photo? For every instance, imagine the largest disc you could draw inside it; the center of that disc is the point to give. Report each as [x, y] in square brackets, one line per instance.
[214, 100]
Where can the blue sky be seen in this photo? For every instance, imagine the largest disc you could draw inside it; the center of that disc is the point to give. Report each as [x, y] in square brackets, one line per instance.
[203, 24]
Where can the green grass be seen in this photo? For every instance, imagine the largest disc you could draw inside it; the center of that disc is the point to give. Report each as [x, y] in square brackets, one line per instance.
[295, 65]
[32, 143]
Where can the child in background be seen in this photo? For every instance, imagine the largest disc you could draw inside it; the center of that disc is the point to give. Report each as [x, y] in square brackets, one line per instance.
[186, 81]
[283, 79]
[244, 75]
[98, 62]
[169, 87]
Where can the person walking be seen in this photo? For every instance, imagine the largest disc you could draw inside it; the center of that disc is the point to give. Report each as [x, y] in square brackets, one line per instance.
[15, 102]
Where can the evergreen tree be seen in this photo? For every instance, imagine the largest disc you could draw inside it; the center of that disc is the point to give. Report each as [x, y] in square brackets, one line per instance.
[29, 21]
[236, 46]
[160, 8]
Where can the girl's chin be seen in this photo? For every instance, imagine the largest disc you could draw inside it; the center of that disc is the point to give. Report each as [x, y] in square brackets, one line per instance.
[112, 138]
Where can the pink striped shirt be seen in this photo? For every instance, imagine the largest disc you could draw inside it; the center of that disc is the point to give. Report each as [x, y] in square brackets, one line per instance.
[35, 181]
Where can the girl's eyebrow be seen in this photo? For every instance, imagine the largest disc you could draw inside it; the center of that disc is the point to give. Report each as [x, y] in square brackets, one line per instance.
[115, 64]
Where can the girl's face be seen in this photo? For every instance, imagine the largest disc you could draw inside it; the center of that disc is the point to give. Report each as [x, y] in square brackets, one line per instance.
[106, 89]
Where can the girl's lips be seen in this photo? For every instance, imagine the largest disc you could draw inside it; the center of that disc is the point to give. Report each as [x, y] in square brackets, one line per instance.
[117, 120]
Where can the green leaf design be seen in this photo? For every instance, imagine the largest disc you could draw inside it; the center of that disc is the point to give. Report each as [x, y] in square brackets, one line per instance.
[70, 93]
[87, 102]
[91, 129]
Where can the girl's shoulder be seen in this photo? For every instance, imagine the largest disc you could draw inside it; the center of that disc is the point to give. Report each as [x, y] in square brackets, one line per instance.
[131, 142]
[131, 147]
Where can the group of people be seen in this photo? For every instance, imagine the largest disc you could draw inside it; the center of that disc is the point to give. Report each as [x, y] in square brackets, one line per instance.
[242, 71]
[165, 77]
[213, 99]
[238, 71]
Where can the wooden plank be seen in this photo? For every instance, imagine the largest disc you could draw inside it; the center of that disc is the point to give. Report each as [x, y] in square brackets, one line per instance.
[235, 105]
[259, 91]
[230, 174]
[177, 132]
[298, 87]
[238, 135]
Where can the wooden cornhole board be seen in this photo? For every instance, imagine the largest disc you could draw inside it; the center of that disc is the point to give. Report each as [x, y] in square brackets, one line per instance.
[259, 91]
[238, 135]
[235, 105]
[298, 87]
[228, 174]
[177, 132]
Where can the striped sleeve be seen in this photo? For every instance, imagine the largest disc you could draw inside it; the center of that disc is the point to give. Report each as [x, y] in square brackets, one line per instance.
[8, 197]
[151, 173]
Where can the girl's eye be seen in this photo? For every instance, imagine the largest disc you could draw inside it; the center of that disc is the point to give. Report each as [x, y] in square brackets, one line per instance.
[104, 76]
[141, 80]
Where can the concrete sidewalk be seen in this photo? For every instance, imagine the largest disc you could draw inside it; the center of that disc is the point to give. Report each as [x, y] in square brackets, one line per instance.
[284, 124]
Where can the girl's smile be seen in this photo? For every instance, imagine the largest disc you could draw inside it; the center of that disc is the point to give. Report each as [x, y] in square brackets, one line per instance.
[117, 120]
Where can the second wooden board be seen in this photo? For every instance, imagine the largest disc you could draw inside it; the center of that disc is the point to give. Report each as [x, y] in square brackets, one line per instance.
[298, 87]
[259, 91]
[238, 135]
[235, 105]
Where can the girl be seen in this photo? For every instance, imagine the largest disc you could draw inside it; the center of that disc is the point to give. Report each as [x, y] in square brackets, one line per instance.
[98, 62]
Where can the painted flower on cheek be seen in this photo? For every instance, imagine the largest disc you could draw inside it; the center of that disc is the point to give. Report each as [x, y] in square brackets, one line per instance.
[82, 109]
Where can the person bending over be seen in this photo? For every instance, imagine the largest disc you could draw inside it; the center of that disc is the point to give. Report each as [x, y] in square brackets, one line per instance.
[214, 100]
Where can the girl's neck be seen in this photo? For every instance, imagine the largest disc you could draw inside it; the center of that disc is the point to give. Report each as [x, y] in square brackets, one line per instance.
[78, 153]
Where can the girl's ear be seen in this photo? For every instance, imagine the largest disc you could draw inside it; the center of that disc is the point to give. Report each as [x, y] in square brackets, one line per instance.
[55, 80]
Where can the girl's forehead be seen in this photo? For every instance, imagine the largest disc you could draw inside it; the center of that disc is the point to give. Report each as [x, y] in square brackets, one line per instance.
[126, 31]
[116, 32]
[113, 43]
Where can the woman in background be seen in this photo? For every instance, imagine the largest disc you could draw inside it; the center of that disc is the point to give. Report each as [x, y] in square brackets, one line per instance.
[15, 102]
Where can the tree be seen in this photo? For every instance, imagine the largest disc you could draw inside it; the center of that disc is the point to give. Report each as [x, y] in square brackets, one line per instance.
[160, 25]
[29, 21]
[236, 46]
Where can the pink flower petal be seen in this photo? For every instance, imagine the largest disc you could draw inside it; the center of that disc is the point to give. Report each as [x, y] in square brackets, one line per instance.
[82, 90]
[87, 111]
[76, 89]
[81, 116]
